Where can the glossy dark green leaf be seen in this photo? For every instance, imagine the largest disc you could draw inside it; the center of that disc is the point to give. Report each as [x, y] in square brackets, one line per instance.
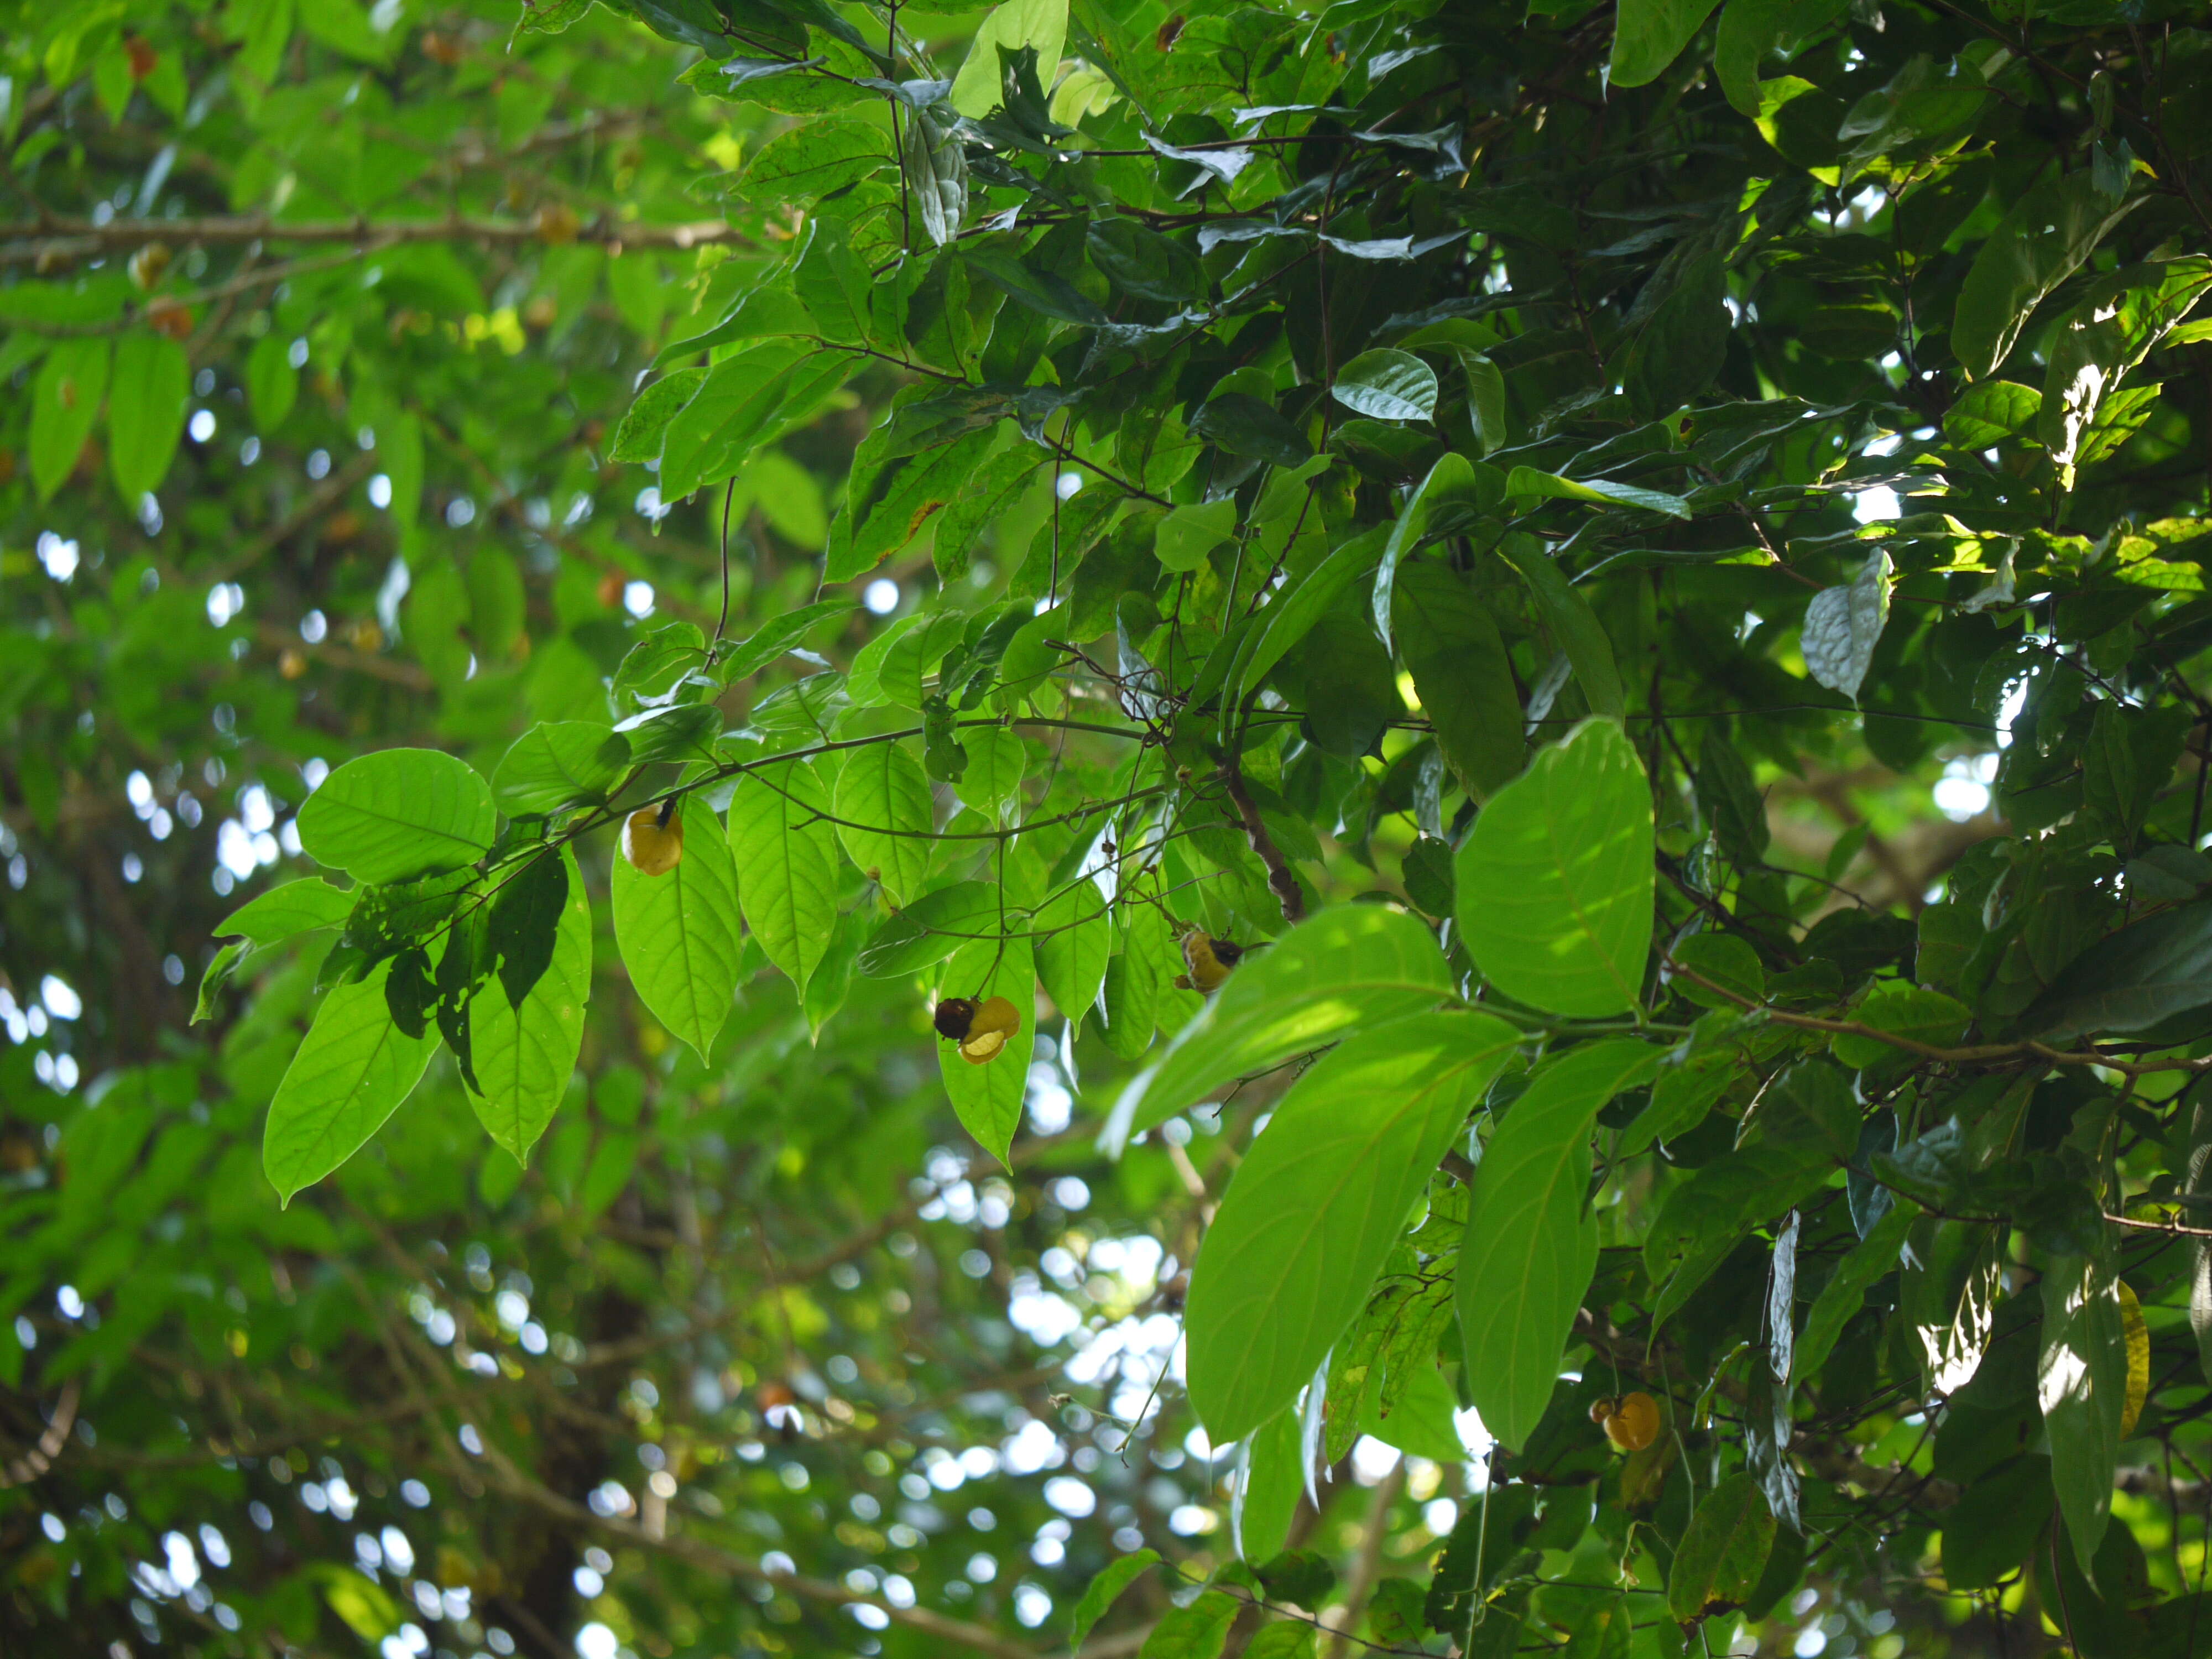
[2046, 234]
[2129, 981]
[2081, 1377]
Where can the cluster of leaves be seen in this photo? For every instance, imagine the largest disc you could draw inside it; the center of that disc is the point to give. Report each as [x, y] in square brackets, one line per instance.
[1410, 491]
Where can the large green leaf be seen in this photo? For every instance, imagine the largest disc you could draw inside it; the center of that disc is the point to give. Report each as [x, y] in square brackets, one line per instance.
[2041, 241]
[1452, 490]
[2082, 1383]
[1073, 940]
[559, 763]
[1448, 639]
[1386, 385]
[282, 912]
[1012, 25]
[350, 1073]
[680, 934]
[988, 1098]
[146, 395]
[1650, 35]
[523, 1054]
[1350, 966]
[1531, 1244]
[787, 865]
[886, 817]
[931, 928]
[398, 813]
[1723, 1551]
[1106, 1588]
[1317, 1203]
[1555, 881]
[2129, 981]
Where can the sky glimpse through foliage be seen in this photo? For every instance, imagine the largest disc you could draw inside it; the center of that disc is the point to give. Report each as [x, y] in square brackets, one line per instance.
[1105, 828]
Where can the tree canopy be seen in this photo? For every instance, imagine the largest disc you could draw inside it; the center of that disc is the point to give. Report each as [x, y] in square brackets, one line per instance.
[1105, 827]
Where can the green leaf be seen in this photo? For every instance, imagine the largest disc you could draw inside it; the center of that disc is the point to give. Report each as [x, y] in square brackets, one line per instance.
[1197, 1631]
[1352, 965]
[146, 394]
[1317, 1203]
[1723, 1551]
[1555, 881]
[1421, 1420]
[523, 1054]
[2081, 1384]
[65, 400]
[559, 763]
[1245, 425]
[1527, 481]
[787, 865]
[224, 962]
[1840, 1297]
[1706, 1217]
[988, 1097]
[272, 385]
[931, 929]
[1752, 29]
[646, 422]
[1531, 1248]
[1990, 412]
[1073, 941]
[2041, 241]
[1104, 1590]
[680, 934]
[1386, 385]
[282, 912]
[1679, 349]
[1041, 24]
[399, 813]
[991, 492]
[1463, 674]
[526, 913]
[1044, 292]
[1572, 623]
[894, 666]
[746, 401]
[1927, 1016]
[1988, 1533]
[911, 491]
[1842, 625]
[1181, 540]
[2131, 980]
[1270, 1479]
[350, 1073]
[886, 817]
[1452, 490]
[993, 777]
[1301, 601]
[1285, 1639]
[1730, 799]
[814, 160]
[1650, 35]
[1727, 962]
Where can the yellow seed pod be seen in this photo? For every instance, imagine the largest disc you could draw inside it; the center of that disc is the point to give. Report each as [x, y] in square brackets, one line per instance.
[654, 848]
[1633, 1424]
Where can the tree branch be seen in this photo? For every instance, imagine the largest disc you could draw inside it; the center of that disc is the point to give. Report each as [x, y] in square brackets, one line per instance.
[57, 237]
